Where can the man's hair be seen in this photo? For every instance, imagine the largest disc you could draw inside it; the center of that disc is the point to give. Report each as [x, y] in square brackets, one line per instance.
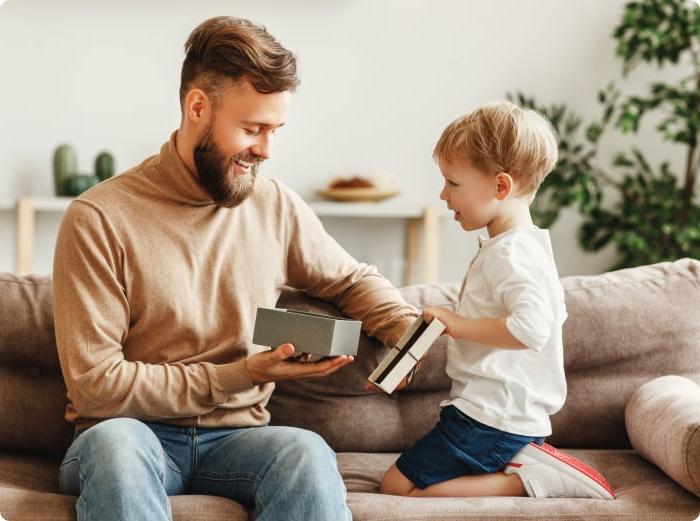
[224, 50]
[502, 137]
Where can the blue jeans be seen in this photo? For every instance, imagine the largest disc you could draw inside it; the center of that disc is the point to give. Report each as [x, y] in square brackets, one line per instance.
[459, 446]
[125, 469]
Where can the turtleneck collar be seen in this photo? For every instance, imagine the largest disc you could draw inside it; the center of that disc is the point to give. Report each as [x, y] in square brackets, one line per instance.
[178, 179]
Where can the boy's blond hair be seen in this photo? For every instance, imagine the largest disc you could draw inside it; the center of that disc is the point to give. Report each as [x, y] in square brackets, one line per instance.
[502, 137]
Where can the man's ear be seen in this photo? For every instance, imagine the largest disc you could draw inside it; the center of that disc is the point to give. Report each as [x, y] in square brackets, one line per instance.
[504, 186]
[197, 106]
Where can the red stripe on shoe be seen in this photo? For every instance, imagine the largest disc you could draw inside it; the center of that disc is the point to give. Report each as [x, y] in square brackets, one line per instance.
[516, 465]
[575, 463]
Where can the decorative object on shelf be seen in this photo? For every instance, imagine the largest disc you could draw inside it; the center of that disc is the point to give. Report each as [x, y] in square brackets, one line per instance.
[376, 186]
[67, 180]
[78, 183]
[65, 164]
[104, 166]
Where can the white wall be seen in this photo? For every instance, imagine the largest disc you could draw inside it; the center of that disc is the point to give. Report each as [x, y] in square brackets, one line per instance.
[380, 80]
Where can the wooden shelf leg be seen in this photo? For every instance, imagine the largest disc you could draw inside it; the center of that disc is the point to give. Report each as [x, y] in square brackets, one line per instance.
[411, 250]
[429, 224]
[431, 245]
[24, 236]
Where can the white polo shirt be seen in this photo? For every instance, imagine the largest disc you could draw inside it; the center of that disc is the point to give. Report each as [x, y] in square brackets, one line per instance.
[514, 390]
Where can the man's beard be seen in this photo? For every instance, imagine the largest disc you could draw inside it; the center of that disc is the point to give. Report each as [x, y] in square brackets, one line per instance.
[216, 172]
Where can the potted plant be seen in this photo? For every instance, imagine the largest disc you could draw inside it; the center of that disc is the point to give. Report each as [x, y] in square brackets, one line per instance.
[650, 214]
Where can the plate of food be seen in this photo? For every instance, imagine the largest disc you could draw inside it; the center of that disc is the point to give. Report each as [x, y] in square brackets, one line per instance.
[356, 189]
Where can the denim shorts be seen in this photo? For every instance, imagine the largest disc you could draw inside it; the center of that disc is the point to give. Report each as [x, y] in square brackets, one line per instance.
[458, 446]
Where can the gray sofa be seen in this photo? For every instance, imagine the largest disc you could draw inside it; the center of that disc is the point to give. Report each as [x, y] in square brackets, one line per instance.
[626, 331]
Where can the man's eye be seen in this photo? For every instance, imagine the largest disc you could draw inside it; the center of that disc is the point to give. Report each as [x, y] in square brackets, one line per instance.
[250, 131]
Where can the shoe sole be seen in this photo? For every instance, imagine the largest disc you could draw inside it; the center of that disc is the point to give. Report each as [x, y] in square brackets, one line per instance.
[572, 467]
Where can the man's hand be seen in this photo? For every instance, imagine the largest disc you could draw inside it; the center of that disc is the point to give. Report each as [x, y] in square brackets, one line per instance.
[273, 366]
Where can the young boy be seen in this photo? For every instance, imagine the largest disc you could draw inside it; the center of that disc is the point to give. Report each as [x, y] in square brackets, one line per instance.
[505, 357]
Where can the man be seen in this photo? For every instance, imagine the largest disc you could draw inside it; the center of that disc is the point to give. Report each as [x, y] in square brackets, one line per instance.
[158, 273]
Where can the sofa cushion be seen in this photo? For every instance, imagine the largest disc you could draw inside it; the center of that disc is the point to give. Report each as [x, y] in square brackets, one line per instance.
[32, 406]
[643, 492]
[624, 328]
[26, 322]
[29, 492]
[663, 422]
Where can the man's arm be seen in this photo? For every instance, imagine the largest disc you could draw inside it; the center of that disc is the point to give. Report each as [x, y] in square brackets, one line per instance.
[319, 265]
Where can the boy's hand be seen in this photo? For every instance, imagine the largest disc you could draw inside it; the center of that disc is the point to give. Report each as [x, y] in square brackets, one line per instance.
[444, 315]
[369, 386]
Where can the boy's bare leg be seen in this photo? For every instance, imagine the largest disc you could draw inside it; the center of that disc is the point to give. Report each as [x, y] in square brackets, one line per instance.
[496, 484]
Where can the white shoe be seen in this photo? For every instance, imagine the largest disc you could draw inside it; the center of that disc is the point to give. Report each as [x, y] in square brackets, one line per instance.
[549, 472]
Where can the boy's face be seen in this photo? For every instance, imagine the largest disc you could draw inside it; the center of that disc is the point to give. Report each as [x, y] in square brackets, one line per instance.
[469, 193]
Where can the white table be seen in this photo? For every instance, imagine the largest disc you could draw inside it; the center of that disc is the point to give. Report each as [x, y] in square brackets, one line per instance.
[422, 225]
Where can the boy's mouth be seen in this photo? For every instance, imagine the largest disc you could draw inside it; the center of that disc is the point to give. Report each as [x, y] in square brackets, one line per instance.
[457, 214]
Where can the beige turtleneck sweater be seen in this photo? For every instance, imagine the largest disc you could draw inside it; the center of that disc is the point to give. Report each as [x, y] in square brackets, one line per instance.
[156, 289]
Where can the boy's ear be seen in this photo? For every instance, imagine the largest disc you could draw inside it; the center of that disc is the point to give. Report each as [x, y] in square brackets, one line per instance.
[504, 186]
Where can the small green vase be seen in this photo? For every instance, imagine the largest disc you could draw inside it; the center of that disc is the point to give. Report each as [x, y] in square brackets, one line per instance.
[77, 184]
[65, 165]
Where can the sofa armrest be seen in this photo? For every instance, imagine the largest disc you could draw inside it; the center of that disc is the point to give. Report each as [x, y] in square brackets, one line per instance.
[663, 422]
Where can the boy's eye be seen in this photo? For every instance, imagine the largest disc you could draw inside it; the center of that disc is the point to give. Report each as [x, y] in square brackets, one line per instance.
[451, 183]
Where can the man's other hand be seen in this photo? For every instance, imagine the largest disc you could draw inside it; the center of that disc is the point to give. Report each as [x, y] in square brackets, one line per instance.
[274, 366]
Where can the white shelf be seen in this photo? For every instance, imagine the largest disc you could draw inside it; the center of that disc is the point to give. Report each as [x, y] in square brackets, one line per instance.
[398, 208]
[39, 203]
[385, 209]
[421, 222]
[51, 204]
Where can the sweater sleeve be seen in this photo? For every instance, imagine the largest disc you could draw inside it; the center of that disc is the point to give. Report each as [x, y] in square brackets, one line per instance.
[91, 316]
[317, 264]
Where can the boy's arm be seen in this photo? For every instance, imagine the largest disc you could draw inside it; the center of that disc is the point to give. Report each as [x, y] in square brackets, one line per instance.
[487, 331]
[523, 289]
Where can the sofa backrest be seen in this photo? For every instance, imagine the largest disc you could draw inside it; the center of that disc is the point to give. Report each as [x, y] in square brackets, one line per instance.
[32, 393]
[624, 328]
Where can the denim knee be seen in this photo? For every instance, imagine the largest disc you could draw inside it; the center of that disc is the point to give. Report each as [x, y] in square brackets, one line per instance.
[307, 454]
[118, 448]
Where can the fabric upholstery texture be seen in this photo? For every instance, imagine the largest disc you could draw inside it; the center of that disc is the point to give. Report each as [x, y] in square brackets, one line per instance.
[625, 329]
[663, 421]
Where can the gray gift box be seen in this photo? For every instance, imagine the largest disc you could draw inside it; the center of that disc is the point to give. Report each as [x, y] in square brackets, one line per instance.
[311, 333]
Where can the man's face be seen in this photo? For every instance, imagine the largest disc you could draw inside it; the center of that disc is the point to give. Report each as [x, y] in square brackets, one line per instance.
[237, 139]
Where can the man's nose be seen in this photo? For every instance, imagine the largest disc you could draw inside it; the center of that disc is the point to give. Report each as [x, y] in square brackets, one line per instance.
[263, 147]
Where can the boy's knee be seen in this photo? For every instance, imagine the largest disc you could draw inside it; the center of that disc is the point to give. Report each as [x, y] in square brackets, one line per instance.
[394, 483]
